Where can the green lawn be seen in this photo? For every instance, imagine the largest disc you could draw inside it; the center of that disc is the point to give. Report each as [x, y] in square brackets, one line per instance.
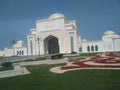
[6, 68]
[89, 54]
[42, 79]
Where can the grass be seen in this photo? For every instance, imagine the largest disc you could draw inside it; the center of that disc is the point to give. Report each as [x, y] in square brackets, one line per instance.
[89, 54]
[6, 68]
[42, 79]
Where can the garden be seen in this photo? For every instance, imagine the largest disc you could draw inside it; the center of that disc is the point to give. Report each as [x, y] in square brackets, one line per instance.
[85, 79]
[107, 60]
[42, 79]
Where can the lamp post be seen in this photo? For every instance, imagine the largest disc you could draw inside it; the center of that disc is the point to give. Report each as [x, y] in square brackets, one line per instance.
[39, 40]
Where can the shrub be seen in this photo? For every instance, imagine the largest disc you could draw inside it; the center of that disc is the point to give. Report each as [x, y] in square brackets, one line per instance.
[41, 58]
[73, 52]
[57, 56]
[7, 64]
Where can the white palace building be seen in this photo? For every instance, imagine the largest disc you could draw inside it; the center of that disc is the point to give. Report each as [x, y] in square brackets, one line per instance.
[110, 42]
[57, 34]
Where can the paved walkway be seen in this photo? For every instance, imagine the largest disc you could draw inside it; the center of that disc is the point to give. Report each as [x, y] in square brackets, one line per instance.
[59, 71]
[20, 70]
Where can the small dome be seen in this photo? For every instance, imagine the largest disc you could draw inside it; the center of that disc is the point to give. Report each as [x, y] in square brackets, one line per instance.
[84, 40]
[56, 15]
[109, 33]
[20, 41]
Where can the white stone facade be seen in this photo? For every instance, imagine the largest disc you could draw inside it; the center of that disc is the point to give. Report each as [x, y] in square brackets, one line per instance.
[110, 42]
[53, 35]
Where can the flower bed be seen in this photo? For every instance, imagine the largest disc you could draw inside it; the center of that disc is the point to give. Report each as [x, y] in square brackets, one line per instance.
[113, 54]
[82, 65]
[107, 61]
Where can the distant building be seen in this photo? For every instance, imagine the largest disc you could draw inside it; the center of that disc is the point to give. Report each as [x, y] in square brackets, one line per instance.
[110, 42]
[18, 49]
[55, 34]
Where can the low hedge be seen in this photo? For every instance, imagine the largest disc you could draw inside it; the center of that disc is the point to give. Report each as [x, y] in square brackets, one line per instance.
[57, 56]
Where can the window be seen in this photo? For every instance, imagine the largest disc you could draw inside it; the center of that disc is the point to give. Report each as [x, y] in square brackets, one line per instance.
[92, 48]
[72, 43]
[88, 48]
[96, 48]
[80, 49]
[17, 52]
[31, 47]
[22, 52]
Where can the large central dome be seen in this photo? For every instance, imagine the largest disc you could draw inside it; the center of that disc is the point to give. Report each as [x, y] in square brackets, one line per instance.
[56, 15]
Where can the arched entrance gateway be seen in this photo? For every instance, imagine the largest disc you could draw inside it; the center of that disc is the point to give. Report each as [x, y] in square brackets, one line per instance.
[51, 45]
[58, 34]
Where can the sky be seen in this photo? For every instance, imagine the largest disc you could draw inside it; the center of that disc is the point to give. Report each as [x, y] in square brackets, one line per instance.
[93, 17]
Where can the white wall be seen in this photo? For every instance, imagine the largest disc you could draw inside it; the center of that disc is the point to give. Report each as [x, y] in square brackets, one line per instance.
[104, 46]
[117, 44]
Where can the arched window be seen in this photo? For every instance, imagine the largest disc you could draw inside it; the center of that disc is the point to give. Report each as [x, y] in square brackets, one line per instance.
[92, 48]
[17, 52]
[22, 52]
[72, 43]
[31, 46]
[96, 48]
[80, 49]
[88, 48]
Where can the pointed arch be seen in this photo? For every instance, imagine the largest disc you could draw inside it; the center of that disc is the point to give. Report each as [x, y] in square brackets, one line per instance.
[51, 45]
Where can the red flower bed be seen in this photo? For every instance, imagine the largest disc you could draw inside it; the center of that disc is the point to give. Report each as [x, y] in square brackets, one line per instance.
[97, 59]
[107, 61]
[113, 54]
[82, 65]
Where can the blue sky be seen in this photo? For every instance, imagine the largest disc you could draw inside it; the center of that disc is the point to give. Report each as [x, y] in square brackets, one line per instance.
[93, 17]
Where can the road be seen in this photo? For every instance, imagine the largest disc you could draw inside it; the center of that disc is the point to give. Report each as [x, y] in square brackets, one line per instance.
[18, 58]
